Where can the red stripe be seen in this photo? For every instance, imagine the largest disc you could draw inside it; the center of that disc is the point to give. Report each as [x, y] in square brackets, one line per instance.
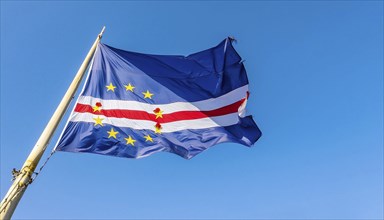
[175, 116]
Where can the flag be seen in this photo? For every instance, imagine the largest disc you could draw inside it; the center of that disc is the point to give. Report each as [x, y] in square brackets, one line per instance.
[133, 104]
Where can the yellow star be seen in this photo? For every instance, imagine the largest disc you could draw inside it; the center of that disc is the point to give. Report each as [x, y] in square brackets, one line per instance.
[148, 138]
[159, 114]
[96, 108]
[98, 121]
[130, 140]
[129, 87]
[157, 130]
[147, 94]
[112, 133]
[111, 87]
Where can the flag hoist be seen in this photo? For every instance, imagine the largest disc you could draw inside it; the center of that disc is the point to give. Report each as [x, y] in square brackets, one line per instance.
[24, 177]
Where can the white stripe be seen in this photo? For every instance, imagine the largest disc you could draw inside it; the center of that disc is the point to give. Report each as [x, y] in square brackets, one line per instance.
[224, 120]
[204, 105]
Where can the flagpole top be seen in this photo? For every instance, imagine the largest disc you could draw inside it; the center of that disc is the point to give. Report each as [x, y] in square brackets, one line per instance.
[101, 33]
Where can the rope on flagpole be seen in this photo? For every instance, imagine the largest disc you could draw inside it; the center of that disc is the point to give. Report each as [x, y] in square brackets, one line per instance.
[42, 166]
[15, 173]
[18, 189]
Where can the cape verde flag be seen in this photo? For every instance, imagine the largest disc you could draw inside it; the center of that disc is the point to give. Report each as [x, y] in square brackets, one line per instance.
[133, 104]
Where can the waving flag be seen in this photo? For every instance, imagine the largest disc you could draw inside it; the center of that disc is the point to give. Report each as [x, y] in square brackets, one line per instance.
[134, 105]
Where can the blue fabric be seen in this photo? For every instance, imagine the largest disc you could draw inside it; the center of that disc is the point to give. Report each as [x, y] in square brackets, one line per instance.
[207, 74]
[186, 143]
[200, 76]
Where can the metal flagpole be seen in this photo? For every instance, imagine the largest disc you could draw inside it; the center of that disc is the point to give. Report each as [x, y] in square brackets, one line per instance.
[24, 176]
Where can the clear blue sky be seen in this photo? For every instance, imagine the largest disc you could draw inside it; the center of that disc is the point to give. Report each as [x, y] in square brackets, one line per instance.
[316, 82]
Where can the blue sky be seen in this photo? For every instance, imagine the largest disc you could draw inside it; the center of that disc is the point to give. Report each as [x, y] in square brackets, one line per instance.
[316, 83]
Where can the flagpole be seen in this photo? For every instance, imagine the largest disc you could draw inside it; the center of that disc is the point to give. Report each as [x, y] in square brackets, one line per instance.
[24, 177]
